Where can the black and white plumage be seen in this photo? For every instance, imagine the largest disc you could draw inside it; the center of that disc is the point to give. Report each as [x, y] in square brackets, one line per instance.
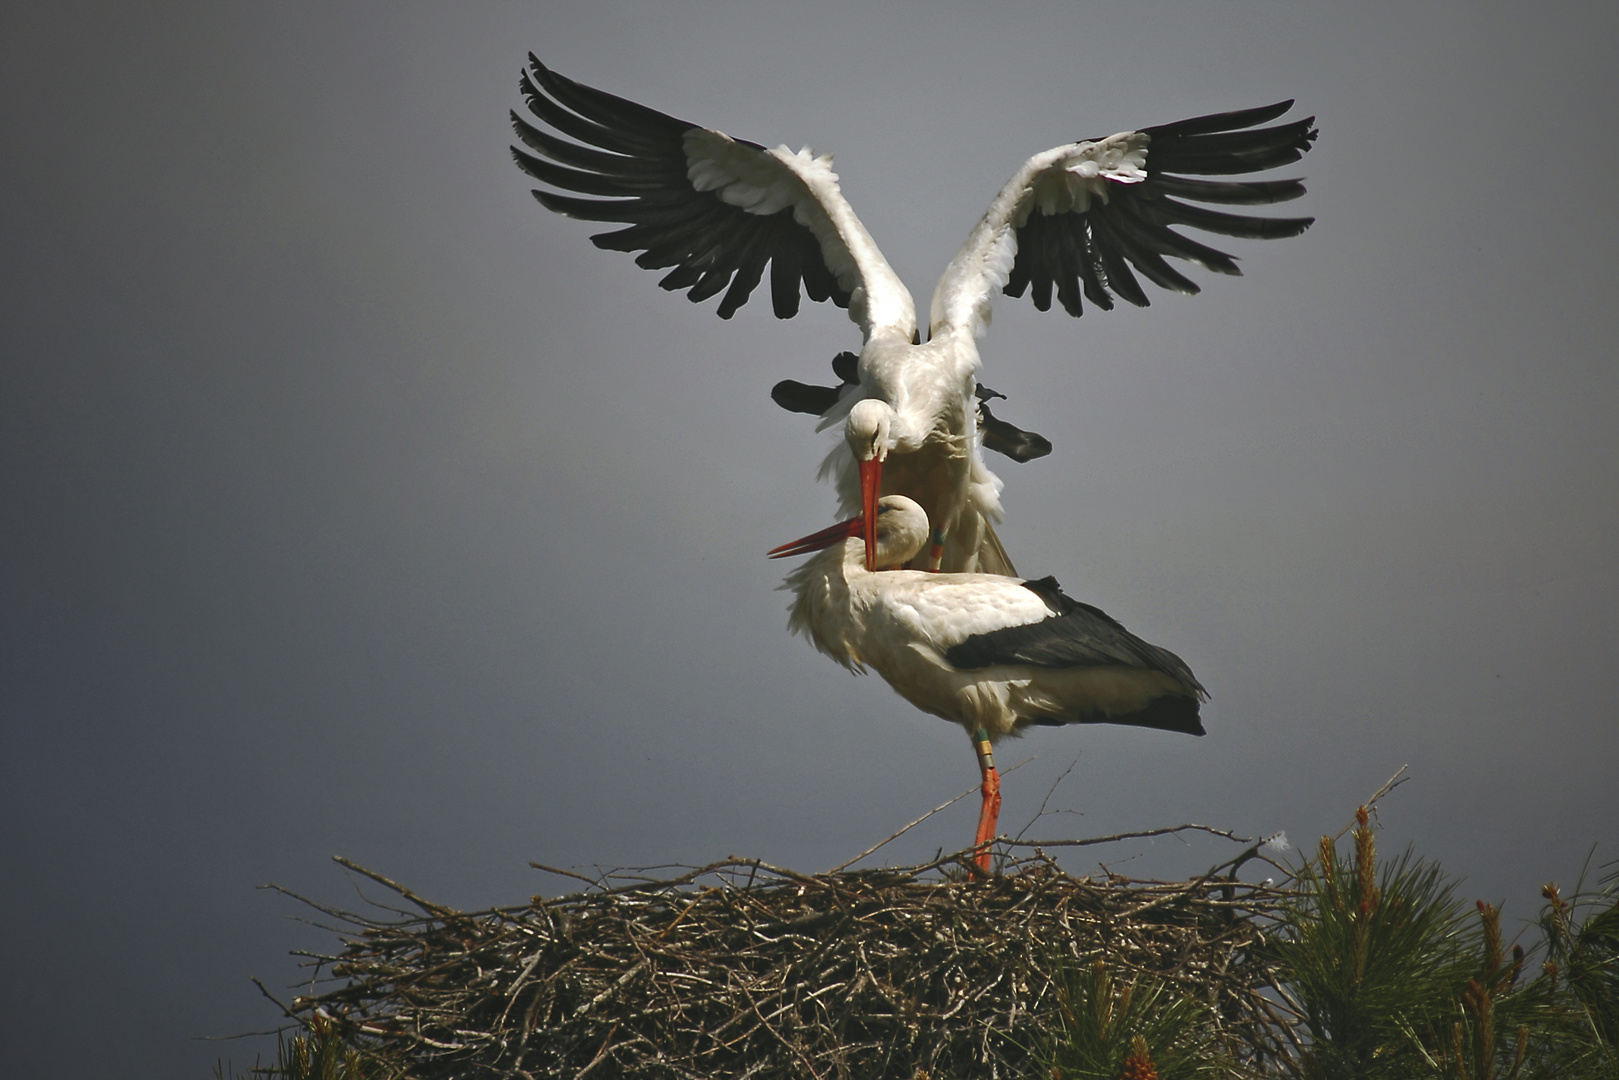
[1083, 219]
[984, 650]
[994, 433]
[994, 654]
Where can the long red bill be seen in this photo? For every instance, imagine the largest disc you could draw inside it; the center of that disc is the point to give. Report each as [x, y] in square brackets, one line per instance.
[816, 541]
[871, 489]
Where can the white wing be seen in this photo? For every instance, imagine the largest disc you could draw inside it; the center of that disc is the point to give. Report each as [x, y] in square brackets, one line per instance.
[1079, 216]
[714, 208]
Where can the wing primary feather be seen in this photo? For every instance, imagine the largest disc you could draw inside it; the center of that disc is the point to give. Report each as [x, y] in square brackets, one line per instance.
[750, 269]
[1231, 193]
[627, 210]
[666, 244]
[1069, 260]
[595, 183]
[1017, 281]
[1232, 152]
[1137, 223]
[683, 276]
[708, 269]
[1222, 121]
[620, 114]
[1042, 293]
[786, 271]
[1119, 278]
[715, 278]
[819, 284]
[586, 130]
[721, 259]
[1042, 258]
[595, 160]
[1174, 212]
[1152, 266]
[1091, 272]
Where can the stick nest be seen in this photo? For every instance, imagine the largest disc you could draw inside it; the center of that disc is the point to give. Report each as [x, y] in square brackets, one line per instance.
[739, 969]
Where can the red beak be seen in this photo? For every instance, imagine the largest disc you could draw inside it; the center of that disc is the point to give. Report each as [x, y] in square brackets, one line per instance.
[871, 489]
[816, 541]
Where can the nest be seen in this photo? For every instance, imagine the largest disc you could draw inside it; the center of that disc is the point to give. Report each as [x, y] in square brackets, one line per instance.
[739, 969]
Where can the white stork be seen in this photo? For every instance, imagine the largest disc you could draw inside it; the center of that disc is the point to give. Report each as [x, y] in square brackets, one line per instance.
[1077, 217]
[993, 653]
[993, 433]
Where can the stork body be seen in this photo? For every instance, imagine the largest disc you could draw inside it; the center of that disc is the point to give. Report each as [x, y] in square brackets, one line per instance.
[994, 433]
[992, 653]
[1083, 218]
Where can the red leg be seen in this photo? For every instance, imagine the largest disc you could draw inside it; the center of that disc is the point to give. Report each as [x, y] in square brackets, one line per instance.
[989, 816]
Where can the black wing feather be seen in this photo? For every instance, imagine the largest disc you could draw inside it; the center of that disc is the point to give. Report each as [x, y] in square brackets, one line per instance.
[1078, 635]
[1243, 193]
[1152, 237]
[1223, 121]
[1009, 439]
[1075, 635]
[1100, 250]
[628, 165]
[795, 396]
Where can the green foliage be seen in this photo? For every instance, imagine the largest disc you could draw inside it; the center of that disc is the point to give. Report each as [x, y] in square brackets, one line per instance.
[1580, 982]
[1105, 1023]
[1365, 954]
[1392, 977]
[319, 1054]
[1484, 1031]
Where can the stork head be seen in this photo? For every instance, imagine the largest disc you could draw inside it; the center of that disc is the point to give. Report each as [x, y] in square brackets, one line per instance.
[898, 527]
[869, 431]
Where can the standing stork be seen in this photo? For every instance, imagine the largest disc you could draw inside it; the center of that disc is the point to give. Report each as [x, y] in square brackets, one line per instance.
[992, 653]
[1083, 218]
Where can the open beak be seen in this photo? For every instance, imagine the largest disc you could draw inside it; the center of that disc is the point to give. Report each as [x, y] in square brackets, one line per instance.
[816, 541]
[871, 489]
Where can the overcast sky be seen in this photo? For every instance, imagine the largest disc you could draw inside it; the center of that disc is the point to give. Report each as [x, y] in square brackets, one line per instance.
[351, 503]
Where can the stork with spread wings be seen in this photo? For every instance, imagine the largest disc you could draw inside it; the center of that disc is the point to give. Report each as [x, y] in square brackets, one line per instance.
[1081, 221]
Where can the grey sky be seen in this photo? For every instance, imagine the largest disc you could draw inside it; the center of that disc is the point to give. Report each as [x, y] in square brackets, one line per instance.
[353, 503]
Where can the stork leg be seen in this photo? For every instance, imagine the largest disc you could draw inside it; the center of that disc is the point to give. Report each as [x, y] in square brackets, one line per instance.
[936, 556]
[989, 817]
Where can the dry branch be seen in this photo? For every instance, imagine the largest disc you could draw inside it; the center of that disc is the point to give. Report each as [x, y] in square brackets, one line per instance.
[742, 969]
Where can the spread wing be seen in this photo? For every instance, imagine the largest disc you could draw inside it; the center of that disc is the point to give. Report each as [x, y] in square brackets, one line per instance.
[1087, 217]
[711, 209]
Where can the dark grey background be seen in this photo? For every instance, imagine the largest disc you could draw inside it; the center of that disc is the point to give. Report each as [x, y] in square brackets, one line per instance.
[354, 504]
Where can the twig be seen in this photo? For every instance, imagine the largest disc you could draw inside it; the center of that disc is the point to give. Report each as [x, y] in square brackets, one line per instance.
[426, 905]
[1049, 793]
[288, 1013]
[562, 873]
[1144, 834]
[1389, 785]
[902, 832]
